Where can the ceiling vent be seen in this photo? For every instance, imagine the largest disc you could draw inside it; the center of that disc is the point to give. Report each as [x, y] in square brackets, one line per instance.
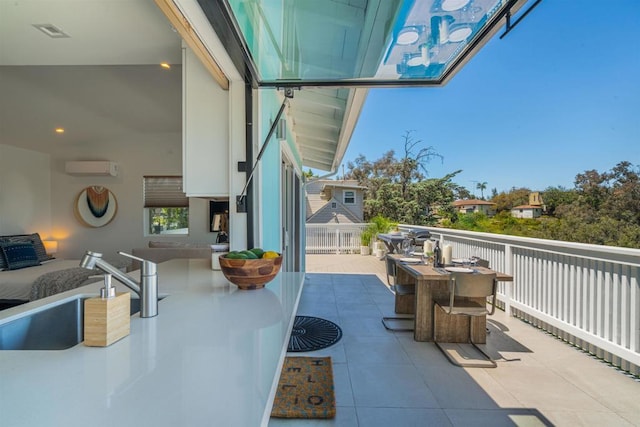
[52, 31]
[104, 168]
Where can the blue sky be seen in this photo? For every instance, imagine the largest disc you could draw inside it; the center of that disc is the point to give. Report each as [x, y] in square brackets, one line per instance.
[557, 96]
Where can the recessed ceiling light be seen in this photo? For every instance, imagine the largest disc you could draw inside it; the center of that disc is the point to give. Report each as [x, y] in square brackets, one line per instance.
[408, 35]
[415, 61]
[421, 58]
[165, 65]
[450, 5]
[459, 34]
[59, 130]
[52, 31]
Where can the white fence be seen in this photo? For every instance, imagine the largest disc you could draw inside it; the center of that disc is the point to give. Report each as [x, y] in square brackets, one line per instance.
[588, 295]
[333, 238]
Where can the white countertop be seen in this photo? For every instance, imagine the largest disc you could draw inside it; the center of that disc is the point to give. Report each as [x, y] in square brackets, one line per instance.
[211, 357]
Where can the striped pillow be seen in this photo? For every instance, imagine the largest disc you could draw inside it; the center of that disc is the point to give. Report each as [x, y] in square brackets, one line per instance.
[34, 239]
[19, 255]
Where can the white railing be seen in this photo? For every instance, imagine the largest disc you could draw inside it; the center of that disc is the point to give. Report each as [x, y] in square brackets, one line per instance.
[333, 238]
[588, 295]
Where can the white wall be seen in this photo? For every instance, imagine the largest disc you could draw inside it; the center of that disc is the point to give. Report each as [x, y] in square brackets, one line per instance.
[137, 155]
[205, 129]
[36, 195]
[25, 192]
[525, 213]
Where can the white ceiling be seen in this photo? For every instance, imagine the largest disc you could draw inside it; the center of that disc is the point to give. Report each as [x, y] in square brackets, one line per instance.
[102, 32]
[102, 81]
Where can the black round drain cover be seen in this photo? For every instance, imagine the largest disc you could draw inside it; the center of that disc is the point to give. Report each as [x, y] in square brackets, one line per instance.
[313, 333]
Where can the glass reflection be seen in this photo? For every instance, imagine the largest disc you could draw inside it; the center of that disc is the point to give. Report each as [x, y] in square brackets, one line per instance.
[325, 41]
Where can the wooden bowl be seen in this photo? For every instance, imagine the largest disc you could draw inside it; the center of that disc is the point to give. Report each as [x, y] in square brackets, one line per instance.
[250, 273]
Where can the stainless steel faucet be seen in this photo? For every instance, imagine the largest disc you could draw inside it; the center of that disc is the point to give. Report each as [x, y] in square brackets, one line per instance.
[147, 288]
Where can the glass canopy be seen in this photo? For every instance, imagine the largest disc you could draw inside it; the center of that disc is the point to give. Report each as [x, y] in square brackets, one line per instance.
[362, 42]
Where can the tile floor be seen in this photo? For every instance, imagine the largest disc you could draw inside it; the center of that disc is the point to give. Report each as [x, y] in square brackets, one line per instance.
[385, 378]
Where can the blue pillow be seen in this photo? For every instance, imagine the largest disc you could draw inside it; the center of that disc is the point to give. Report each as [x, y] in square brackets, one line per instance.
[33, 238]
[19, 255]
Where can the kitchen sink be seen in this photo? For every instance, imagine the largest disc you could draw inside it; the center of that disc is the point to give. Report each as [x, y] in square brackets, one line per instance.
[55, 328]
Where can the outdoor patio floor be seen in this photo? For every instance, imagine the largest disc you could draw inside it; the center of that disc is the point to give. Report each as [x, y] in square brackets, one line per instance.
[385, 378]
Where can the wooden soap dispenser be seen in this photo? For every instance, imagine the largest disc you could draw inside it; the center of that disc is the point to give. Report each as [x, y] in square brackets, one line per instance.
[107, 317]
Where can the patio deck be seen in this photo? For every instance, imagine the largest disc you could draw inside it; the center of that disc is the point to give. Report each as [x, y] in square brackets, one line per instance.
[385, 378]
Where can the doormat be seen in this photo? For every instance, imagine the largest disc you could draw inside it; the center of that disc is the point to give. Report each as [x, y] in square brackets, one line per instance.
[312, 333]
[305, 389]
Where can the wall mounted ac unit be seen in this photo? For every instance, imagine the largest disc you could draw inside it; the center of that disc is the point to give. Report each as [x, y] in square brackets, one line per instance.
[90, 167]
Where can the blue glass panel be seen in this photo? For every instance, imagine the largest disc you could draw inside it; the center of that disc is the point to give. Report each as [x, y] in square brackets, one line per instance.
[364, 41]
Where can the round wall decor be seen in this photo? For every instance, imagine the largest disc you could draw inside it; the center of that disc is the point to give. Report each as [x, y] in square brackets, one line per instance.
[96, 206]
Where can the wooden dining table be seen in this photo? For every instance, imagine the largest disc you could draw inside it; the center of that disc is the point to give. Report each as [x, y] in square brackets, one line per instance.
[431, 284]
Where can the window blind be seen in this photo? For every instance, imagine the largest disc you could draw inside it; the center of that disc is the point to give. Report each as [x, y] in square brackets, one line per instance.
[164, 192]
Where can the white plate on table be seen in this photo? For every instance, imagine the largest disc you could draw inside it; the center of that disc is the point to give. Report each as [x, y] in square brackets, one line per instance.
[411, 260]
[458, 270]
[460, 260]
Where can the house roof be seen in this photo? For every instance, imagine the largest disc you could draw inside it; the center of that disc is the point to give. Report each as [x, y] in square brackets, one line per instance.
[471, 202]
[344, 184]
[319, 208]
[314, 202]
[326, 214]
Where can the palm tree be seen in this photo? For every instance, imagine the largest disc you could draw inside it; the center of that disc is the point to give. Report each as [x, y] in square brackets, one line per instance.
[481, 186]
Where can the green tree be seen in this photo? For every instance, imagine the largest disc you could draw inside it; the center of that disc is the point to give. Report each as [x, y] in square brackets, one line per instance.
[557, 196]
[603, 209]
[623, 202]
[591, 188]
[506, 200]
[481, 186]
[461, 192]
[397, 188]
[412, 166]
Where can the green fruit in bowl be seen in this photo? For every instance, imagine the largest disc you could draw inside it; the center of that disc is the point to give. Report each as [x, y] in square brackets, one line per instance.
[257, 251]
[249, 254]
[236, 255]
[252, 273]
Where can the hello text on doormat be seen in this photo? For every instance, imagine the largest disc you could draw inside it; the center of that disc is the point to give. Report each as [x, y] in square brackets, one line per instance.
[305, 389]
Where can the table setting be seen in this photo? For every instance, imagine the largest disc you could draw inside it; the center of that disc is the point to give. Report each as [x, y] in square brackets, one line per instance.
[455, 269]
[411, 260]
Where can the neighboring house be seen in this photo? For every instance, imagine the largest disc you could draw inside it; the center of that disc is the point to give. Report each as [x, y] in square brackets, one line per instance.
[330, 201]
[534, 209]
[475, 205]
[526, 211]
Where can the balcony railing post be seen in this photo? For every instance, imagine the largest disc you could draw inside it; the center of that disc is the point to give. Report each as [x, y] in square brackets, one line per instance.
[508, 266]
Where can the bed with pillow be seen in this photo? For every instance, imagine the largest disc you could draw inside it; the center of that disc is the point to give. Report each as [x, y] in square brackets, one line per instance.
[27, 273]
